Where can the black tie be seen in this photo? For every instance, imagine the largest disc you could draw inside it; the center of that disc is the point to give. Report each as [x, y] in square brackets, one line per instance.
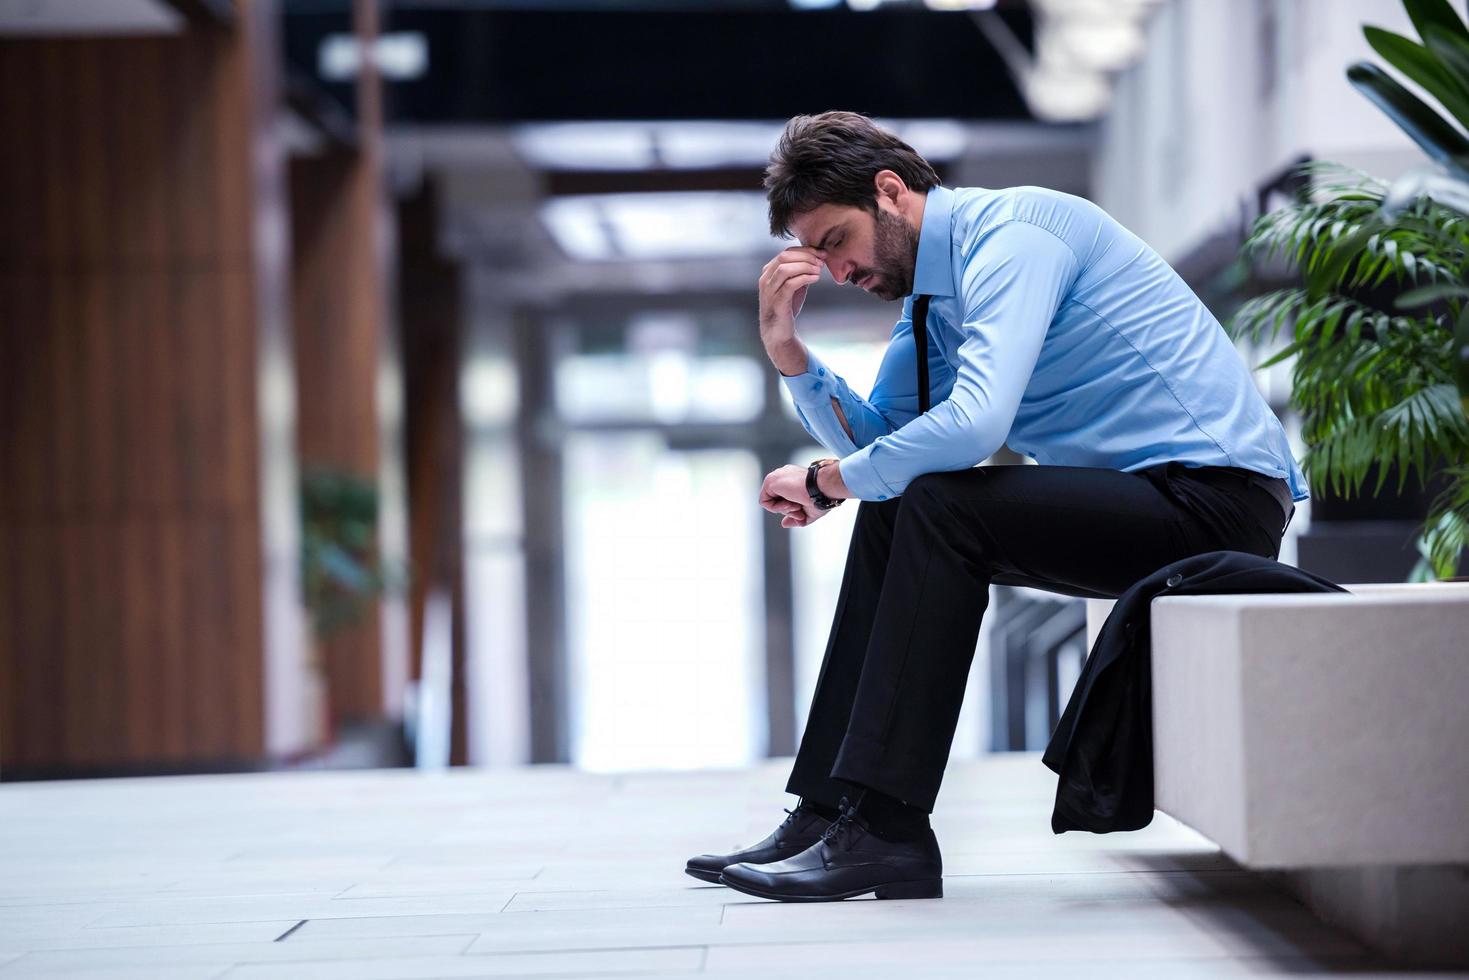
[920, 341]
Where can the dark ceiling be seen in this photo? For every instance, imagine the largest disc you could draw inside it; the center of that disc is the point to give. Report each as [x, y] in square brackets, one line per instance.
[745, 60]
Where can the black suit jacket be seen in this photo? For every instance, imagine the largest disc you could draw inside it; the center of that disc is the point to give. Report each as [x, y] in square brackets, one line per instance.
[1103, 746]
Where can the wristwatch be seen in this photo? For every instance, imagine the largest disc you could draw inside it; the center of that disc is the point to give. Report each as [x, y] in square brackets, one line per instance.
[821, 500]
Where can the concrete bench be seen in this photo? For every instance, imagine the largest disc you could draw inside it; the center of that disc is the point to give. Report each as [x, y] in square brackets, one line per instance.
[1326, 737]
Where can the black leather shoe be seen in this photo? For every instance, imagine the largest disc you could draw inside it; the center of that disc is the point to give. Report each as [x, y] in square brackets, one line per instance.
[799, 831]
[846, 862]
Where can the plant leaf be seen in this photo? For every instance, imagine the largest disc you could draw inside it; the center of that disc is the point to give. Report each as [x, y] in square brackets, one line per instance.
[1424, 295]
[1423, 67]
[1460, 358]
[1284, 354]
[1446, 532]
[1330, 272]
[1441, 141]
[1426, 14]
[1452, 52]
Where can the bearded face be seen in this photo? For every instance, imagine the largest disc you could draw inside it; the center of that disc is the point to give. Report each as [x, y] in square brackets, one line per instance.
[895, 250]
[875, 250]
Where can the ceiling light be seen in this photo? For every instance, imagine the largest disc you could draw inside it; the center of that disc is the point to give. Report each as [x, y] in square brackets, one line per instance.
[398, 57]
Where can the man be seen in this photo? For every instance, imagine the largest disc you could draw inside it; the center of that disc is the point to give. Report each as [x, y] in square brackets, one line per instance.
[1029, 317]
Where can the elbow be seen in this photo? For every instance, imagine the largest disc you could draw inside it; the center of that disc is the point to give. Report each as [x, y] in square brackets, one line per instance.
[974, 445]
[991, 429]
[986, 441]
[987, 446]
[980, 434]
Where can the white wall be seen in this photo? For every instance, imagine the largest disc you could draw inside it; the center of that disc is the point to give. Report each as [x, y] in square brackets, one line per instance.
[1227, 95]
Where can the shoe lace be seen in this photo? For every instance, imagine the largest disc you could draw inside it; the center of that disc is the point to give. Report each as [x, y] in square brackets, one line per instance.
[792, 815]
[841, 827]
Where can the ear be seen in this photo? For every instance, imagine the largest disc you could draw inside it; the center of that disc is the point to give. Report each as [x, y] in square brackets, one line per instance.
[892, 191]
[891, 188]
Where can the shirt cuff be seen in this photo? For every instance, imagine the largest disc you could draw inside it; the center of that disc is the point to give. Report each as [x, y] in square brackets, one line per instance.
[813, 389]
[861, 477]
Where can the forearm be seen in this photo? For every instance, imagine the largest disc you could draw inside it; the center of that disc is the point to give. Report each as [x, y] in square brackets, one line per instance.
[789, 356]
[792, 359]
[940, 441]
[835, 416]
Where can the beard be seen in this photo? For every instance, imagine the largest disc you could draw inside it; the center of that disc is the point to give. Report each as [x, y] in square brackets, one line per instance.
[894, 252]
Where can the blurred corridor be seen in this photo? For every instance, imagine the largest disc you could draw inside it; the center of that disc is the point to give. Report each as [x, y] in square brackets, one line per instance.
[381, 385]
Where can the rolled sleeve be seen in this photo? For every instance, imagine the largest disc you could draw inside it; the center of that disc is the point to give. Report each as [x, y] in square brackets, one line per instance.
[813, 389]
[813, 394]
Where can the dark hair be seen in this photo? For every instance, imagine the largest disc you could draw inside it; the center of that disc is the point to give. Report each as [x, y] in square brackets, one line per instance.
[832, 158]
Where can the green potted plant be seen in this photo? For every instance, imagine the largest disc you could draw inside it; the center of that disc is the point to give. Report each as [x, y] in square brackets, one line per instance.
[341, 573]
[1380, 324]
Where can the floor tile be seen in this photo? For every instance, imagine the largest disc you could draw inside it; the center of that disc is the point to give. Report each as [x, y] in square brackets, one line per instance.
[157, 971]
[601, 962]
[553, 872]
[172, 935]
[66, 962]
[624, 898]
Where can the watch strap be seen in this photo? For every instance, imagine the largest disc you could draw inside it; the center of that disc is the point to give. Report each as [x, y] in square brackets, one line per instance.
[813, 490]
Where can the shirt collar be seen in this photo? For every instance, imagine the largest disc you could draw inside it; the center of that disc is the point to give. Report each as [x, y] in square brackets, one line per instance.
[933, 272]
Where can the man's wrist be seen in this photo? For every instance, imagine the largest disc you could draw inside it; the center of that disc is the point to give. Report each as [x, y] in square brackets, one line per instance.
[788, 356]
[829, 479]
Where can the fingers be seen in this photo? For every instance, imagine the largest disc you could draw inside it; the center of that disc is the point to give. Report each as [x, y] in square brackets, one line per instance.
[783, 275]
[786, 259]
[794, 520]
[794, 284]
[795, 259]
[792, 513]
[796, 253]
[792, 272]
[783, 284]
[802, 517]
[792, 259]
[779, 505]
[773, 502]
[768, 497]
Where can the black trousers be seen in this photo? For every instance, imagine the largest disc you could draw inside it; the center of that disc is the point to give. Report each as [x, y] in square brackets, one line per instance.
[917, 582]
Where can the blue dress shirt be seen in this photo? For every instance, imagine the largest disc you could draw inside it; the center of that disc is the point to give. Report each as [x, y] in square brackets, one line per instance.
[1054, 328]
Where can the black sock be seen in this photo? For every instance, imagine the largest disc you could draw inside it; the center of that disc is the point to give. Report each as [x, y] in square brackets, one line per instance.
[890, 818]
[827, 813]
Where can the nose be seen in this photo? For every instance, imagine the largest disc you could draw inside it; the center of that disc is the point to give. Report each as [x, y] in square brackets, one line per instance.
[841, 271]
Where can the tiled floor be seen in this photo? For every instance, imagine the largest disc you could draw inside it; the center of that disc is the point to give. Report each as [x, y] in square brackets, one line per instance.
[551, 872]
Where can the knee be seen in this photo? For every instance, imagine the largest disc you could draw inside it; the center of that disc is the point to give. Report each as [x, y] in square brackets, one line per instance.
[924, 509]
[925, 492]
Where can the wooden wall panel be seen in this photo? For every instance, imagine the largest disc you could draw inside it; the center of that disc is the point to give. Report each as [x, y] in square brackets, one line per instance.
[10, 701]
[338, 328]
[131, 631]
[75, 696]
[342, 329]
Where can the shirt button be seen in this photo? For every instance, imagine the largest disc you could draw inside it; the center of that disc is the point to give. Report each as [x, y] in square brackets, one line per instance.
[821, 372]
[818, 386]
[1174, 579]
[882, 496]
